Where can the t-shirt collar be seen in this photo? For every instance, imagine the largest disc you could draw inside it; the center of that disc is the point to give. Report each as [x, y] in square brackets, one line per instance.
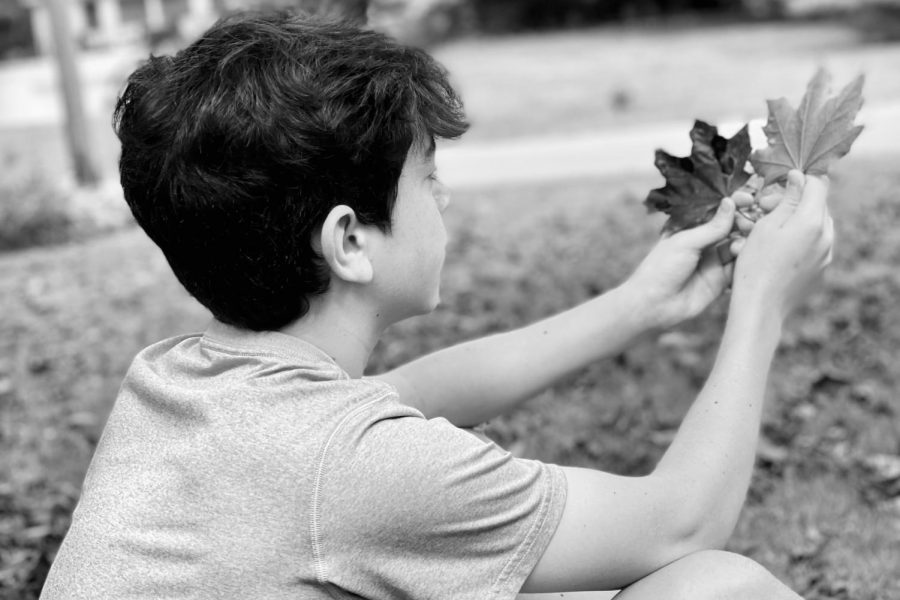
[270, 342]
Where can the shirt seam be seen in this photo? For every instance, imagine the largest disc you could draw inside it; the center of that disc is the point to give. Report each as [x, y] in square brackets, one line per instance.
[230, 350]
[531, 537]
[314, 525]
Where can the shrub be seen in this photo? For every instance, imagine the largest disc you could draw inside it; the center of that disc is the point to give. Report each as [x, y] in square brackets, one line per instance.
[37, 212]
[513, 15]
[33, 212]
[878, 22]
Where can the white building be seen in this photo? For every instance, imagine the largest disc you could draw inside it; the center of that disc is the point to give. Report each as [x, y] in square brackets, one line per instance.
[98, 23]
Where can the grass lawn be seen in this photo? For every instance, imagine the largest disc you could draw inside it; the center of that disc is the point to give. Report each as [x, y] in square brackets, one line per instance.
[824, 509]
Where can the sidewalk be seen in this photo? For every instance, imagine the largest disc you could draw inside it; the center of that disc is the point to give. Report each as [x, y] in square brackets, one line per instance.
[28, 98]
[629, 151]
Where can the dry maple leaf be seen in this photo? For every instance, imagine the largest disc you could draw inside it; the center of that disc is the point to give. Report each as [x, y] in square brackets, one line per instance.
[696, 184]
[814, 135]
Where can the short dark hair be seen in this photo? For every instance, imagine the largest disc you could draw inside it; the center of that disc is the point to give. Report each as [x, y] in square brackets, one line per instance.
[235, 149]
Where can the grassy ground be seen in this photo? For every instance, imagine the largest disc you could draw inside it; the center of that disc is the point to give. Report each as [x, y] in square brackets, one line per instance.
[824, 510]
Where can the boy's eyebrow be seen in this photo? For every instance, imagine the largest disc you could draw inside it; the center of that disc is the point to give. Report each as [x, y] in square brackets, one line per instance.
[429, 153]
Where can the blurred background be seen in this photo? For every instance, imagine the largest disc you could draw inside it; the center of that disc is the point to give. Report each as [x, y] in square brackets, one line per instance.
[568, 100]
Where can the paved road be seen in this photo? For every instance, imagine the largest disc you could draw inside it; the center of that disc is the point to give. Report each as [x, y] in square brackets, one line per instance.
[617, 152]
[28, 97]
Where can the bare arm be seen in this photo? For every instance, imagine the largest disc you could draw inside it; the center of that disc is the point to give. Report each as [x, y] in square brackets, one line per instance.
[476, 381]
[616, 530]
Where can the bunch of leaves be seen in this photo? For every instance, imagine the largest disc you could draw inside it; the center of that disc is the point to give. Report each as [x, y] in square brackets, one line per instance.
[809, 138]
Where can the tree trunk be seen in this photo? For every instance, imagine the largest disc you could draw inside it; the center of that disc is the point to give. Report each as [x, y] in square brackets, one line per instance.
[77, 132]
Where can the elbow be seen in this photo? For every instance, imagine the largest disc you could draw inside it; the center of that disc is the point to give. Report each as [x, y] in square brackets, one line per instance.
[705, 531]
[693, 525]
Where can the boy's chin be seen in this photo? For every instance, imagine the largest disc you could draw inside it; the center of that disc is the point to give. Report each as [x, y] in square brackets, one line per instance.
[423, 309]
[429, 308]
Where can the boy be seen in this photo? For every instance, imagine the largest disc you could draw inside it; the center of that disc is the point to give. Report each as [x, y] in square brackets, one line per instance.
[286, 169]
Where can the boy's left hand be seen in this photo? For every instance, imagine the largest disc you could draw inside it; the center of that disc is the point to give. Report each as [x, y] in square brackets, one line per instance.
[683, 273]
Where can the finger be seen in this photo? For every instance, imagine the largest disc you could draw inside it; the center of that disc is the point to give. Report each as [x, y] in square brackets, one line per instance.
[753, 185]
[793, 193]
[737, 244]
[713, 269]
[723, 251]
[728, 273]
[813, 199]
[744, 225]
[712, 231]
[769, 198]
[829, 238]
[742, 199]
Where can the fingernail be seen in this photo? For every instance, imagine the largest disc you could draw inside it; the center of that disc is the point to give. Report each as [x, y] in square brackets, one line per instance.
[796, 178]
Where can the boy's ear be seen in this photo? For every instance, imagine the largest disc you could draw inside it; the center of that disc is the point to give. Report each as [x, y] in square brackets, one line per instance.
[344, 245]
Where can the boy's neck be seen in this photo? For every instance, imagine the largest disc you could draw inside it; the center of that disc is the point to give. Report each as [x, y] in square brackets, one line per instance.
[347, 336]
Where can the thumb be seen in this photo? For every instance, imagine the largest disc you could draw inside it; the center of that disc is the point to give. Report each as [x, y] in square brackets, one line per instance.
[712, 231]
[793, 192]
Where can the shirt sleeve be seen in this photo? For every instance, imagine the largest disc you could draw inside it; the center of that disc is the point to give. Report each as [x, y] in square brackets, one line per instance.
[406, 507]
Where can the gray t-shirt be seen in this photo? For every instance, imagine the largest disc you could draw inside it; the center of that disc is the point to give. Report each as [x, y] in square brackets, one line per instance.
[249, 465]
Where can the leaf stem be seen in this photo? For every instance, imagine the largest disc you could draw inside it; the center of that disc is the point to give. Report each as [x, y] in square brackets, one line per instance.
[745, 215]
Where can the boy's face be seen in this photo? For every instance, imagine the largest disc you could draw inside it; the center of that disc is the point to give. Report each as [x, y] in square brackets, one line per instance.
[408, 271]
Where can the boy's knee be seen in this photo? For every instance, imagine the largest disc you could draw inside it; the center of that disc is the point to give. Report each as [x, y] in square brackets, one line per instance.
[719, 575]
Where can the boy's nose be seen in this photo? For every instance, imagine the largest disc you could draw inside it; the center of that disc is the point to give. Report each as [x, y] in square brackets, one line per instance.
[442, 196]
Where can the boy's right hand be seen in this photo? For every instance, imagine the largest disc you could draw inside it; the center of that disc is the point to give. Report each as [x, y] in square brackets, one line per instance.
[787, 251]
